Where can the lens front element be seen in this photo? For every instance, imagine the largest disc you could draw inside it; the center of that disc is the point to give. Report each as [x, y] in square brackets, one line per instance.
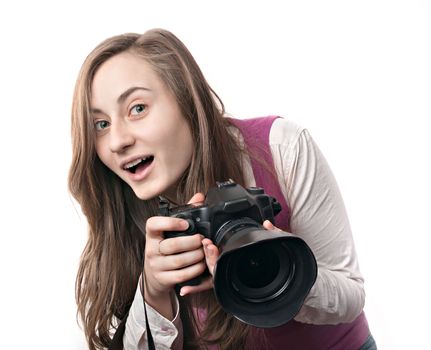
[261, 272]
[262, 277]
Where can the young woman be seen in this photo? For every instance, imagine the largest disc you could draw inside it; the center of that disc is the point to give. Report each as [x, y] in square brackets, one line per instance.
[145, 123]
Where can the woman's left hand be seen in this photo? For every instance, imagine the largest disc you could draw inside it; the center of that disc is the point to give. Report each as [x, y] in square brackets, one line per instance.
[211, 255]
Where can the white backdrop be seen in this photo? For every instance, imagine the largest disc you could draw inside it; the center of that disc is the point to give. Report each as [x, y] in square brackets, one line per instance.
[357, 74]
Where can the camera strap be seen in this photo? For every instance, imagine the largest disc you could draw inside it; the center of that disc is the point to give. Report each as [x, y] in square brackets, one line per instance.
[117, 340]
[147, 324]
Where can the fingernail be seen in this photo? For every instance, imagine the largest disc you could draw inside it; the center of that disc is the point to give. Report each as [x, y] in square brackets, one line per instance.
[271, 226]
[185, 224]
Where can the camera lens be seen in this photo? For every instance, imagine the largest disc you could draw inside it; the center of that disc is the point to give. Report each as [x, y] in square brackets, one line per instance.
[257, 267]
[262, 277]
[261, 272]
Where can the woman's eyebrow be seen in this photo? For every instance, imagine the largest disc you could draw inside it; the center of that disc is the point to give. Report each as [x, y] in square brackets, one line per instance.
[95, 111]
[122, 97]
[129, 91]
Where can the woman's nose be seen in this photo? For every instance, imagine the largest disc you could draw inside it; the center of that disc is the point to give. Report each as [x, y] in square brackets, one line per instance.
[120, 137]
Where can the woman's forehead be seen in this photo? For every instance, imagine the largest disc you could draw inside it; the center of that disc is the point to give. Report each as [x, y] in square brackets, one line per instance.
[122, 75]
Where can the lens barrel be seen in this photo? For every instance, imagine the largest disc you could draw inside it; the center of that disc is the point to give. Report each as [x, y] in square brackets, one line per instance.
[262, 277]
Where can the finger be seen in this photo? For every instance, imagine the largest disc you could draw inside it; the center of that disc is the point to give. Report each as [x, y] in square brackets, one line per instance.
[206, 284]
[180, 244]
[172, 277]
[197, 197]
[156, 225]
[270, 226]
[211, 254]
[179, 261]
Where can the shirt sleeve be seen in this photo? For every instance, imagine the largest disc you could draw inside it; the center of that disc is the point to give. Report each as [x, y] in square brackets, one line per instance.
[166, 334]
[319, 217]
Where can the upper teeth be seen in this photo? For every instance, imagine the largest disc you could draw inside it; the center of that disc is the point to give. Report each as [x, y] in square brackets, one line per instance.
[133, 163]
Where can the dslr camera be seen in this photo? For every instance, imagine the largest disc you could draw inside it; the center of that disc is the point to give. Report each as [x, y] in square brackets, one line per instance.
[261, 276]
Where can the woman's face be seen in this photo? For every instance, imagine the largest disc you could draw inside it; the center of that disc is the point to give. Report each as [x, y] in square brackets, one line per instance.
[141, 134]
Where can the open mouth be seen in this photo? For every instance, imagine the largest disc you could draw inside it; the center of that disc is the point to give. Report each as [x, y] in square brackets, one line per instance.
[137, 164]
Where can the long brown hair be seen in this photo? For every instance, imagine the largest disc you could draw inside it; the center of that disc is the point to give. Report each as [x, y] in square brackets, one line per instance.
[113, 257]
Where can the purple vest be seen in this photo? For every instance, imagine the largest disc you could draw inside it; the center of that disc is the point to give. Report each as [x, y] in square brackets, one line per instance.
[293, 335]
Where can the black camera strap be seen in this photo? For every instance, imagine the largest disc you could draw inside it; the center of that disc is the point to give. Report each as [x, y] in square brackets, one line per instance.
[149, 335]
[117, 340]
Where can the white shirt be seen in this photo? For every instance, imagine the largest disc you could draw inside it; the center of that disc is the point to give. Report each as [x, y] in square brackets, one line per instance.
[318, 216]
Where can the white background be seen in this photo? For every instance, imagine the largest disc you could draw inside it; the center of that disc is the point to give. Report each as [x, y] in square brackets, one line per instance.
[357, 74]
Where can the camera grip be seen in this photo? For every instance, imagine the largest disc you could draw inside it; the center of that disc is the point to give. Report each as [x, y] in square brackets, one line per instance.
[191, 230]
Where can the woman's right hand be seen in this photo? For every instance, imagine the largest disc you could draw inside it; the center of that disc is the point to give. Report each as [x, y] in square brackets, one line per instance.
[170, 261]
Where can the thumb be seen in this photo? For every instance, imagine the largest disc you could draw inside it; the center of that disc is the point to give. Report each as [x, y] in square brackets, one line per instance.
[197, 197]
[270, 226]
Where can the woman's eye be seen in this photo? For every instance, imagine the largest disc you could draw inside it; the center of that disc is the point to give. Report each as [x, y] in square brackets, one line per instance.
[101, 125]
[137, 109]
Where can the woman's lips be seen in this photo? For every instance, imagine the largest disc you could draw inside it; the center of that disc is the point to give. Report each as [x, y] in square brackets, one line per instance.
[142, 170]
[131, 166]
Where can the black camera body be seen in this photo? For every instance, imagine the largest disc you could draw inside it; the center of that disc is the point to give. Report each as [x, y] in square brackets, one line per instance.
[225, 203]
[261, 277]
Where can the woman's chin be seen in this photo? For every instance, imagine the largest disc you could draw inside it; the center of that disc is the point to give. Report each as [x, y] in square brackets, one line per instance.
[145, 195]
[147, 192]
